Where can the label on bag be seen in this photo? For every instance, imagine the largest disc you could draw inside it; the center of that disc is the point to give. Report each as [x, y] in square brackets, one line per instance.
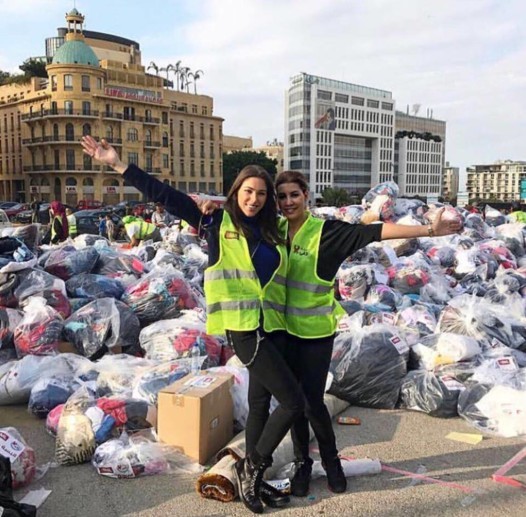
[451, 383]
[10, 447]
[399, 344]
[506, 364]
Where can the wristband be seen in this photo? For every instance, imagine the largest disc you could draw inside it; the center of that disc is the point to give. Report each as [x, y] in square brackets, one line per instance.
[430, 230]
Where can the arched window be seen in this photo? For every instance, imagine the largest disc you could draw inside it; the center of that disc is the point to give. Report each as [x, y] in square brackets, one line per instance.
[45, 182]
[70, 132]
[70, 182]
[87, 182]
[110, 182]
[86, 129]
[148, 136]
[133, 135]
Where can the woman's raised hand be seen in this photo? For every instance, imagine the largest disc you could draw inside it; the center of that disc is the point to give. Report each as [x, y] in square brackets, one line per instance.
[445, 227]
[102, 152]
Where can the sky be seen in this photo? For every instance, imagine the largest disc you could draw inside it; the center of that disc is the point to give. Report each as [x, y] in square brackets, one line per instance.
[465, 60]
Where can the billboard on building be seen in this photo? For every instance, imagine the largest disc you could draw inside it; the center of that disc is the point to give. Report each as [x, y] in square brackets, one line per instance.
[462, 199]
[325, 116]
[523, 190]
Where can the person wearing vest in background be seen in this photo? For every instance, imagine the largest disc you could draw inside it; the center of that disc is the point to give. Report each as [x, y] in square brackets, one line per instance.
[138, 230]
[245, 297]
[516, 215]
[316, 250]
[72, 223]
[58, 223]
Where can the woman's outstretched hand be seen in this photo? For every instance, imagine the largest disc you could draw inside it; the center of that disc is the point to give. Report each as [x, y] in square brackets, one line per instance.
[445, 227]
[102, 152]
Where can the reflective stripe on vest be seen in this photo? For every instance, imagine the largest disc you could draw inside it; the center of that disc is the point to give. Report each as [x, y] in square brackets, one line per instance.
[72, 224]
[234, 297]
[144, 231]
[312, 311]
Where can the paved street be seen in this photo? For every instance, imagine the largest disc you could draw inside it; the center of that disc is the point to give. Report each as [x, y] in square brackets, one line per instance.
[401, 439]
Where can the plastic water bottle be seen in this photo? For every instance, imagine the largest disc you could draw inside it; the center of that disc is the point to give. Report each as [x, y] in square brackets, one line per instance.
[195, 352]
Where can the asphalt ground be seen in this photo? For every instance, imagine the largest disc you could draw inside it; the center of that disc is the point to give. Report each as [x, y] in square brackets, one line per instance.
[403, 440]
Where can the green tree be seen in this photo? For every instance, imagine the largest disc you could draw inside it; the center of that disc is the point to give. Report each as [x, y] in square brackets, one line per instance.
[235, 161]
[33, 68]
[336, 197]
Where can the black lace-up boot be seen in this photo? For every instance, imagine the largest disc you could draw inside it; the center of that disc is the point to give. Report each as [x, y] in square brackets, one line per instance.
[299, 484]
[249, 477]
[272, 496]
[336, 479]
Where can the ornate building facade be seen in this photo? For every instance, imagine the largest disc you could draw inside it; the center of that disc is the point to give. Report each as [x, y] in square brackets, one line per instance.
[171, 133]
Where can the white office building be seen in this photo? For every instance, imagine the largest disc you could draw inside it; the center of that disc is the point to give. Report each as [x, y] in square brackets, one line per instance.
[338, 134]
[344, 135]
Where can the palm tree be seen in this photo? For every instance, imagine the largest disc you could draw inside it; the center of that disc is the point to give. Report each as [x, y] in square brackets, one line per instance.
[184, 77]
[177, 72]
[195, 76]
[154, 66]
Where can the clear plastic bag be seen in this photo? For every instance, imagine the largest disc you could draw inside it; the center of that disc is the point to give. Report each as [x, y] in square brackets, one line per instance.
[368, 366]
[40, 329]
[35, 282]
[88, 285]
[102, 325]
[68, 262]
[21, 456]
[140, 454]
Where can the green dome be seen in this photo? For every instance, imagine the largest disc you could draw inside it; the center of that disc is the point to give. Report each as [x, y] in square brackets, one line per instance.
[75, 52]
[73, 12]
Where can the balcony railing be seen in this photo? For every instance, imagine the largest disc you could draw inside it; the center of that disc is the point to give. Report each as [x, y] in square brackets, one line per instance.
[62, 139]
[153, 170]
[151, 120]
[60, 113]
[112, 115]
[150, 143]
[67, 168]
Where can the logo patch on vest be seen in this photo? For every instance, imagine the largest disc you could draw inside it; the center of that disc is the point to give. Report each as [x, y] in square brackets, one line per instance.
[299, 250]
[231, 235]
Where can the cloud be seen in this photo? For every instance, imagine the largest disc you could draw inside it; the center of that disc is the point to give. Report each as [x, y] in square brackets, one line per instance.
[465, 60]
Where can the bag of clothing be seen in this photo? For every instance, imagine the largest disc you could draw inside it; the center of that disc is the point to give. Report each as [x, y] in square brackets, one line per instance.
[21, 456]
[9, 319]
[161, 294]
[8, 505]
[88, 285]
[8, 284]
[40, 329]
[113, 263]
[368, 366]
[101, 325]
[35, 282]
[68, 262]
[50, 392]
[436, 395]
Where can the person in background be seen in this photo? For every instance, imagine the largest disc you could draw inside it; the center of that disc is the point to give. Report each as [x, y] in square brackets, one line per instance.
[245, 296]
[516, 215]
[161, 218]
[102, 225]
[110, 228]
[139, 230]
[72, 223]
[35, 209]
[58, 225]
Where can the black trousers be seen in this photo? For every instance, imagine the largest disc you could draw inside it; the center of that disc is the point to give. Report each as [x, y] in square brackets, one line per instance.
[269, 374]
[310, 360]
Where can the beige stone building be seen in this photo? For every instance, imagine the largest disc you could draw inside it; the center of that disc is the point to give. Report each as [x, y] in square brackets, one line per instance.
[273, 150]
[236, 143]
[105, 91]
[499, 181]
[450, 182]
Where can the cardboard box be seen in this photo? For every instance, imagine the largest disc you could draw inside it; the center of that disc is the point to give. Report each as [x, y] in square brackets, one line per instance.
[196, 414]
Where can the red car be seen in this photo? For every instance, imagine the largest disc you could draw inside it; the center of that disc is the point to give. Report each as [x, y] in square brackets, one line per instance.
[16, 209]
[88, 204]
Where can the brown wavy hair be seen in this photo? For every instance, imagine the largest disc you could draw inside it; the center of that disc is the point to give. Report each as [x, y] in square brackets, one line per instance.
[267, 217]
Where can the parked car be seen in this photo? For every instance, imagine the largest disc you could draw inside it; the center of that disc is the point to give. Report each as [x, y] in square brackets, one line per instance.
[25, 217]
[15, 209]
[7, 204]
[88, 222]
[88, 204]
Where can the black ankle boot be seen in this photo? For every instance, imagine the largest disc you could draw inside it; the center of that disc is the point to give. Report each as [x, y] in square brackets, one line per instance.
[300, 482]
[272, 496]
[249, 478]
[336, 479]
